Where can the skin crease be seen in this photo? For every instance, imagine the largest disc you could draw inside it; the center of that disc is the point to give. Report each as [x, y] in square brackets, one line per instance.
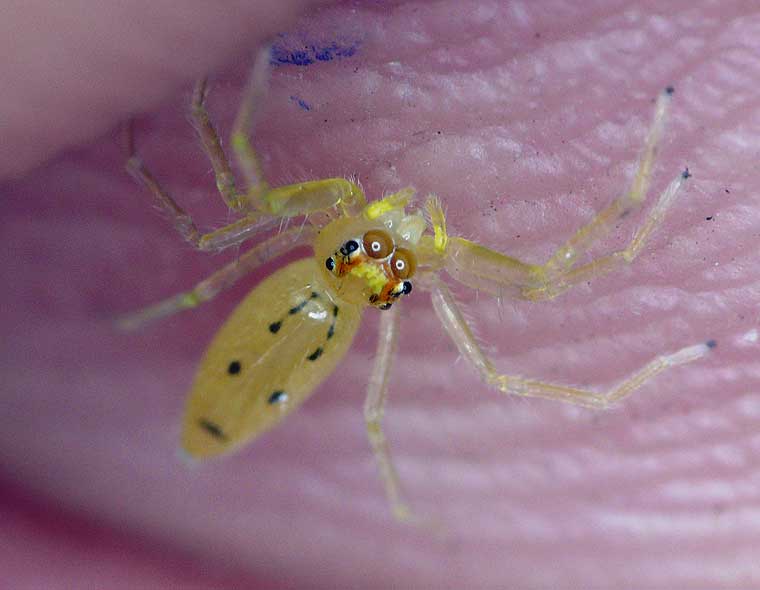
[542, 110]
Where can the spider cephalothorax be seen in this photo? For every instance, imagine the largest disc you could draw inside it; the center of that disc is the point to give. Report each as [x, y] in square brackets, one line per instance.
[375, 260]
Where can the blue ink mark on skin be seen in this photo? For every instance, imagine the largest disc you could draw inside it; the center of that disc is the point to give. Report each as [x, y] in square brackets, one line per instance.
[306, 54]
[301, 103]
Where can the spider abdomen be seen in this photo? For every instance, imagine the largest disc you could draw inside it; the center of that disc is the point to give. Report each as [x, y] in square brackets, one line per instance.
[279, 344]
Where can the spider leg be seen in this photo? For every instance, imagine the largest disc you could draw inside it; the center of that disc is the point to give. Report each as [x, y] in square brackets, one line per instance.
[374, 409]
[482, 268]
[224, 237]
[222, 279]
[225, 180]
[567, 255]
[262, 206]
[552, 286]
[183, 223]
[295, 199]
[305, 198]
[248, 161]
[302, 198]
[455, 325]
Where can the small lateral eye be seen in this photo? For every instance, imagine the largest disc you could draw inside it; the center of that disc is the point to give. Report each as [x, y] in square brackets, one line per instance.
[377, 243]
[403, 263]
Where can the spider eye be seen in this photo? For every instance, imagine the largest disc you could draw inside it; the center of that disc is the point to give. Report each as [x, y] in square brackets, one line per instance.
[403, 263]
[377, 243]
[330, 264]
[351, 246]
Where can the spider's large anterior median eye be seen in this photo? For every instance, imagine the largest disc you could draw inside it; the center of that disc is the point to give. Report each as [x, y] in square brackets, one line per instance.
[377, 243]
[403, 263]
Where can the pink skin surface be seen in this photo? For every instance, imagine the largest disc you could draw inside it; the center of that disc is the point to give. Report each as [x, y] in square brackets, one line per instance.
[525, 118]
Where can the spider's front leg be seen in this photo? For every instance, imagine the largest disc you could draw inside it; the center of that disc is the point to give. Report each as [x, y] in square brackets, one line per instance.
[262, 207]
[482, 268]
[291, 200]
[229, 235]
[453, 322]
[225, 179]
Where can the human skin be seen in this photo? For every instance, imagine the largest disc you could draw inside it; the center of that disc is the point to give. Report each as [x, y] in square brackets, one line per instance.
[525, 120]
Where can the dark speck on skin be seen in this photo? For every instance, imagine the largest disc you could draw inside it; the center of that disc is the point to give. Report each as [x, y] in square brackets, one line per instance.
[290, 50]
[301, 103]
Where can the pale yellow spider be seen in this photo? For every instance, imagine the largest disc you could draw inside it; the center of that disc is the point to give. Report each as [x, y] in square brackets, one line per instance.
[291, 331]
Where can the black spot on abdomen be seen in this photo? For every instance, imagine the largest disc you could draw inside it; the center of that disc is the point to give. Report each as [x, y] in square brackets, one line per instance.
[277, 397]
[331, 329]
[316, 354]
[213, 429]
[297, 308]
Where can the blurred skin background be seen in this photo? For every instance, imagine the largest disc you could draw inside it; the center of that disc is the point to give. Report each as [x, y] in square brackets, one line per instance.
[525, 118]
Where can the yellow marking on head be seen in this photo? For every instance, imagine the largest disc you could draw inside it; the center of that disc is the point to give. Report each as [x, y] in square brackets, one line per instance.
[397, 200]
[372, 274]
[438, 220]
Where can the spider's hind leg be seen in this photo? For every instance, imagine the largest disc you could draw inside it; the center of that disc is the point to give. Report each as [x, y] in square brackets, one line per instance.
[220, 280]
